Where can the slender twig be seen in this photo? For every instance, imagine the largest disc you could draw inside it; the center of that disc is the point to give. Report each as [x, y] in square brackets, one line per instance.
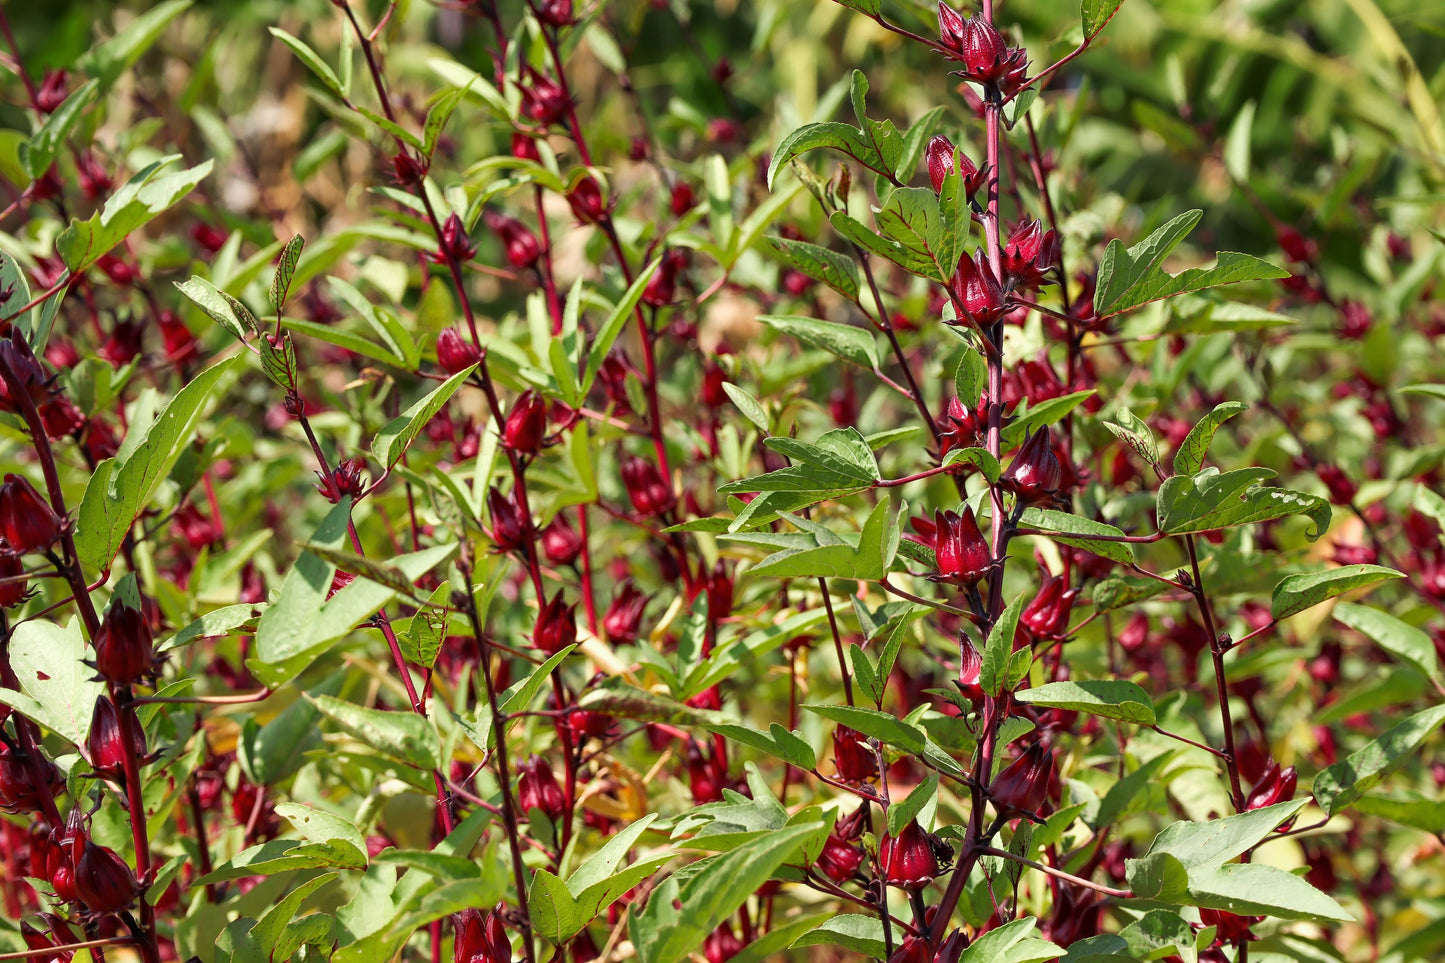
[1055, 871]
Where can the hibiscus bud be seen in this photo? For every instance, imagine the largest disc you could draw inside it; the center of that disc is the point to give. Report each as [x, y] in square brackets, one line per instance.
[95, 180]
[560, 542]
[454, 352]
[661, 288]
[1276, 785]
[1035, 472]
[1135, 633]
[598, 725]
[124, 647]
[683, 198]
[838, 860]
[556, 626]
[1229, 927]
[36, 940]
[960, 548]
[943, 159]
[27, 521]
[648, 490]
[982, 299]
[586, 200]
[913, 949]
[509, 528]
[406, 170]
[719, 593]
[14, 588]
[1047, 616]
[51, 93]
[120, 271]
[110, 739]
[1342, 489]
[537, 788]
[854, 759]
[983, 49]
[1030, 253]
[951, 27]
[455, 246]
[343, 480]
[624, 615]
[103, 881]
[909, 858]
[970, 671]
[555, 13]
[19, 792]
[481, 939]
[713, 378]
[526, 423]
[543, 100]
[1295, 245]
[1021, 788]
[721, 945]
[520, 244]
[703, 777]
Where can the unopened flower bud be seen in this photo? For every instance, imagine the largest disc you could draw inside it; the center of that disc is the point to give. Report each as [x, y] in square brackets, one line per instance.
[454, 352]
[982, 299]
[455, 246]
[27, 521]
[646, 488]
[103, 881]
[960, 548]
[560, 542]
[526, 423]
[951, 28]
[943, 159]
[481, 939]
[345, 479]
[19, 790]
[520, 244]
[537, 788]
[721, 945]
[543, 100]
[909, 858]
[1022, 787]
[112, 738]
[586, 200]
[970, 671]
[124, 646]
[703, 776]
[509, 528]
[838, 859]
[1276, 785]
[854, 759]
[406, 170]
[1035, 472]
[14, 588]
[51, 93]
[624, 615]
[556, 626]
[1047, 615]
[1030, 253]
[555, 13]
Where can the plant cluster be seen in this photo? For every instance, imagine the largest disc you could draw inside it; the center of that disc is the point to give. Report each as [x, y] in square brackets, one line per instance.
[521, 490]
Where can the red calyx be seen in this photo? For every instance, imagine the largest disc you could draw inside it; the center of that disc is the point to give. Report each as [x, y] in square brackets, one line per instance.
[124, 646]
[1276, 785]
[110, 740]
[839, 859]
[560, 542]
[943, 159]
[455, 244]
[343, 480]
[909, 859]
[555, 13]
[14, 589]
[526, 423]
[983, 300]
[537, 788]
[481, 939]
[1047, 616]
[1030, 253]
[103, 881]
[585, 197]
[1035, 472]
[556, 626]
[509, 528]
[721, 945]
[646, 488]
[521, 245]
[51, 93]
[543, 100]
[960, 548]
[1021, 788]
[970, 668]
[854, 759]
[455, 353]
[27, 521]
[624, 615]
[19, 792]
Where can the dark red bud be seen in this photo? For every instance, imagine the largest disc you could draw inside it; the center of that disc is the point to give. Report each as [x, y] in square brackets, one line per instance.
[1276, 785]
[683, 198]
[585, 197]
[454, 243]
[407, 170]
[703, 776]
[1035, 472]
[124, 646]
[560, 542]
[454, 352]
[537, 788]
[555, 13]
[719, 593]
[960, 548]
[19, 790]
[520, 244]
[839, 860]
[721, 945]
[1021, 788]
[103, 881]
[27, 521]
[713, 378]
[624, 615]
[110, 740]
[951, 28]
[14, 587]
[51, 93]
[526, 423]
[345, 479]
[908, 859]
[854, 759]
[970, 671]
[1047, 615]
[556, 626]
[646, 488]
[983, 300]
[509, 528]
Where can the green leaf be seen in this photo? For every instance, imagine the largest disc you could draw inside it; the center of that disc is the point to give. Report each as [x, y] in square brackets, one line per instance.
[1118, 800]
[1158, 876]
[1260, 890]
[612, 327]
[1107, 698]
[806, 555]
[1296, 593]
[517, 698]
[713, 893]
[1160, 933]
[860, 234]
[888, 728]
[39, 152]
[1132, 430]
[316, 826]
[1044, 413]
[205, 296]
[401, 735]
[832, 135]
[1190, 456]
[270, 753]
[217, 622]
[123, 486]
[900, 814]
[1075, 530]
[1096, 13]
[970, 380]
[980, 458]
[311, 59]
[1014, 942]
[1209, 500]
[841, 459]
[1400, 639]
[285, 271]
[1214, 842]
[865, 675]
[278, 359]
[1427, 390]
[281, 856]
[149, 193]
[423, 638]
[15, 292]
[855, 345]
[748, 405]
[779, 742]
[342, 338]
[1342, 784]
[1236, 145]
[852, 931]
[1132, 277]
[437, 116]
[837, 271]
[56, 690]
[999, 648]
[392, 441]
[619, 698]
[114, 57]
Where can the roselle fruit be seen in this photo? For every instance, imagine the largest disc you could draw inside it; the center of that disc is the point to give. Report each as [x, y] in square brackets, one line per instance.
[1275, 785]
[481, 939]
[560, 542]
[624, 615]
[646, 488]
[943, 159]
[103, 881]
[518, 242]
[1035, 472]
[721, 945]
[909, 859]
[1046, 617]
[20, 792]
[854, 758]
[124, 647]
[838, 859]
[537, 788]
[586, 200]
[110, 740]
[959, 547]
[509, 528]
[556, 626]
[455, 353]
[14, 588]
[27, 521]
[982, 300]
[526, 423]
[1022, 787]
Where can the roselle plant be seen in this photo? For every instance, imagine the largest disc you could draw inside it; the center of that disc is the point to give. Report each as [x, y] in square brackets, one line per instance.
[504, 482]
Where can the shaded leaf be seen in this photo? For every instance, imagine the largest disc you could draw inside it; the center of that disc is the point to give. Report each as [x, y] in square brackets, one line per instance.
[1107, 698]
[1296, 593]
